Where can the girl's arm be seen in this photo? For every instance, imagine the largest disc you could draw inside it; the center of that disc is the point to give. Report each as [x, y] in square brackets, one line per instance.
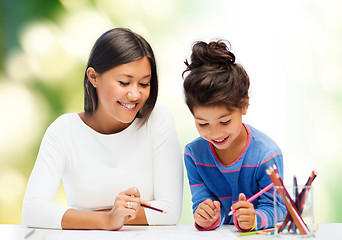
[200, 194]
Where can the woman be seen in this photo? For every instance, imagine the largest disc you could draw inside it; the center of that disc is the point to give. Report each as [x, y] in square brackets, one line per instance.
[120, 152]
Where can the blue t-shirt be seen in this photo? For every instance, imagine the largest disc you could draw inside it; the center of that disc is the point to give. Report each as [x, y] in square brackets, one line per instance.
[209, 178]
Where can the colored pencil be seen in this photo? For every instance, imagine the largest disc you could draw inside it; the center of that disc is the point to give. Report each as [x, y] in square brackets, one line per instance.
[290, 205]
[302, 198]
[254, 196]
[262, 232]
[152, 208]
[296, 195]
[29, 233]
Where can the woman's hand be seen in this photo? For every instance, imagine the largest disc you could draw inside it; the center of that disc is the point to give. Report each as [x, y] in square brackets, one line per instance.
[207, 213]
[245, 213]
[126, 206]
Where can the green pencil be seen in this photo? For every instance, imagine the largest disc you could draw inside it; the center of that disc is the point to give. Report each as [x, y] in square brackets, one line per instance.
[248, 233]
[264, 232]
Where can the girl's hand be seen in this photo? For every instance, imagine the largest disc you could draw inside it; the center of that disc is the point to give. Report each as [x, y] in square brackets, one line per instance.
[207, 213]
[126, 206]
[245, 213]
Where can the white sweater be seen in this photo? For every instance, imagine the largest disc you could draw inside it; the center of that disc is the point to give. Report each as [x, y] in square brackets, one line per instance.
[96, 167]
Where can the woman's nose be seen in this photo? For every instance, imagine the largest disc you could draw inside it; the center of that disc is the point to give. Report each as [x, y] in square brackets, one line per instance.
[134, 93]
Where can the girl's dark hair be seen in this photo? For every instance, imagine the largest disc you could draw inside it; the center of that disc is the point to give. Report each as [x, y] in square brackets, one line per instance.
[113, 48]
[214, 77]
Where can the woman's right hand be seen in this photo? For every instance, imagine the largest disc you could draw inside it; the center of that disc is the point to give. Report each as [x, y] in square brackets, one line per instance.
[207, 213]
[126, 206]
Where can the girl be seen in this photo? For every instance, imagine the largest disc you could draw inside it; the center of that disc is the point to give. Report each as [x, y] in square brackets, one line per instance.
[120, 152]
[228, 163]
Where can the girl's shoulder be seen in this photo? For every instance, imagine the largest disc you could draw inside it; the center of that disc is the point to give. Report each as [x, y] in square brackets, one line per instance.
[261, 139]
[196, 145]
[262, 147]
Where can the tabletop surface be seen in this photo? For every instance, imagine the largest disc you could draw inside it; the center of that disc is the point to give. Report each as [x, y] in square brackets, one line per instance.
[324, 231]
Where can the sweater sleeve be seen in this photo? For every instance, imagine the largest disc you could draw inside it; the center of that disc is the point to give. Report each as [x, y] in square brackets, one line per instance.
[198, 188]
[265, 209]
[167, 170]
[38, 209]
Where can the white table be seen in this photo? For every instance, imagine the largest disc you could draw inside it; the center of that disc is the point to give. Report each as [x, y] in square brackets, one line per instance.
[325, 231]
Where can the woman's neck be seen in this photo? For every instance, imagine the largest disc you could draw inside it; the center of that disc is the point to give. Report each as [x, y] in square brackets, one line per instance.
[101, 124]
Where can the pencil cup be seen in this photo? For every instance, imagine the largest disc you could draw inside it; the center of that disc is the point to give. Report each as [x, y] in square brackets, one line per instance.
[298, 203]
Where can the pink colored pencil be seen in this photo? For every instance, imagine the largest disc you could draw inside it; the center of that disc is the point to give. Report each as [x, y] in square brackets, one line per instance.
[254, 196]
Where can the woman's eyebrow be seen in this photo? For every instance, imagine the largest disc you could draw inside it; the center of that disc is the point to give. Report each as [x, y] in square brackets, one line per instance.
[131, 76]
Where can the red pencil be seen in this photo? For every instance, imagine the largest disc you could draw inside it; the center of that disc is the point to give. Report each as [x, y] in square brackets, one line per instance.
[152, 208]
[302, 197]
[290, 205]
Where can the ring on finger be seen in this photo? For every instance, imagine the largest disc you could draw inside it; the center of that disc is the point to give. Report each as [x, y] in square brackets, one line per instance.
[129, 205]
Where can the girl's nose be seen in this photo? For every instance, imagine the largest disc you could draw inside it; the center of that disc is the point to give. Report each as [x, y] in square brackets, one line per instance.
[215, 133]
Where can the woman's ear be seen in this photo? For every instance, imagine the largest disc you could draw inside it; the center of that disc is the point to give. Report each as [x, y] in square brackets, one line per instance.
[92, 76]
[245, 107]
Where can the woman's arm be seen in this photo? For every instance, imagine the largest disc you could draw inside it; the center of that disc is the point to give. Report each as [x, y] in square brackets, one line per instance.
[113, 219]
[38, 209]
[76, 219]
[167, 170]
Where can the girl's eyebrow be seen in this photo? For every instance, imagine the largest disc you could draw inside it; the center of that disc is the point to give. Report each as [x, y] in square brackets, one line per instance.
[225, 115]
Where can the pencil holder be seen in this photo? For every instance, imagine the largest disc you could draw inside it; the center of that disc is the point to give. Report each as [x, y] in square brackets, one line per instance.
[299, 215]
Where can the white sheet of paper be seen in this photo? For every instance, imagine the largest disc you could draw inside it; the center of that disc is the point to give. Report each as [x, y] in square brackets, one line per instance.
[179, 232]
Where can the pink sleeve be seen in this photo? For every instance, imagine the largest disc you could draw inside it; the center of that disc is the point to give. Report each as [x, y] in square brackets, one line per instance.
[212, 227]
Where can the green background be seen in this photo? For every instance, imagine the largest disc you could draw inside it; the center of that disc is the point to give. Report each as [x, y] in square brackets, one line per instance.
[292, 51]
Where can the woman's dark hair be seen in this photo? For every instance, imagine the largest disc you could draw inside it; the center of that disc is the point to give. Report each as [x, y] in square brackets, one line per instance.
[214, 77]
[113, 48]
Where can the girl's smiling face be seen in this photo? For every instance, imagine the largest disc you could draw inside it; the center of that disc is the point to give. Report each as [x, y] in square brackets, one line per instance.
[218, 125]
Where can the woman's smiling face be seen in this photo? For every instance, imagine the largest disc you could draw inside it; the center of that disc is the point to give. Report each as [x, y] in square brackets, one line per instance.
[123, 90]
[218, 125]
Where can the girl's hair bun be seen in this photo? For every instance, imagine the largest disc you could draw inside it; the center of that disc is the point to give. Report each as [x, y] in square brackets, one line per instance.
[216, 52]
[213, 77]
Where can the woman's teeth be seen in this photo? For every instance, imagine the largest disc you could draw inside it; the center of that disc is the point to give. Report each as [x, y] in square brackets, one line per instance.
[128, 105]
